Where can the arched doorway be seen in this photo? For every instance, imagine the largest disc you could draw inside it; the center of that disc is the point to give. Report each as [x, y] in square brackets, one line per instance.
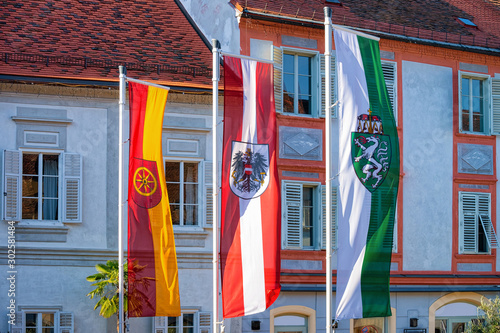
[450, 313]
[293, 319]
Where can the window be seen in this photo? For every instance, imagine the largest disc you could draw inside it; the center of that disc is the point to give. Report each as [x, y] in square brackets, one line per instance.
[297, 84]
[477, 234]
[473, 104]
[297, 81]
[454, 317]
[479, 104]
[42, 321]
[187, 322]
[42, 186]
[183, 192]
[304, 222]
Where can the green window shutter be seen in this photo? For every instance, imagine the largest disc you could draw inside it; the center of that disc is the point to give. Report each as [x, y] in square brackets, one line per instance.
[12, 185]
[390, 75]
[209, 211]
[278, 78]
[72, 188]
[292, 215]
[468, 223]
[66, 322]
[160, 325]
[495, 106]
[205, 322]
[333, 95]
[333, 212]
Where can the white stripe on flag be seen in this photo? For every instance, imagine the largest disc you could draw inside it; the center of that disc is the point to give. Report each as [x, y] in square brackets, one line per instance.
[355, 200]
[252, 252]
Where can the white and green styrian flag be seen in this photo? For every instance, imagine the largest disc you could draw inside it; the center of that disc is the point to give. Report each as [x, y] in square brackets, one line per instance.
[368, 178]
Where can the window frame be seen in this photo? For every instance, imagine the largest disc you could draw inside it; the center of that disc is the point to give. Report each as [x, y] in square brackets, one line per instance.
[315, 81]
[287, 242]
[40, 175]
[63, 320]
[202, 321]
[487, 110]
[200, 190]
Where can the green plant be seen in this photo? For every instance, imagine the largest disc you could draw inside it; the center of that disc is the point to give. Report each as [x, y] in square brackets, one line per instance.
[106, 282]
[490, 321]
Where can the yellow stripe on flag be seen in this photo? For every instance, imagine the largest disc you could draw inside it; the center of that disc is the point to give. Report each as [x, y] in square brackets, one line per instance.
[166, 273]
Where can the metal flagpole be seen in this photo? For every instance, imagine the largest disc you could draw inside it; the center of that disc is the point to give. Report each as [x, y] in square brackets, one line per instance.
[328, 180]
[120, 197]
[215, 223]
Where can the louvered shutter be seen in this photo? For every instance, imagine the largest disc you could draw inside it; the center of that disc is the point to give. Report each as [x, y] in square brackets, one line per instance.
[209, 199]
[66, 322]
[72, 188]
[333, 217]
[389, 72]
[484, 214]
[292, 198]
[278, 78]
[495, 106]
[205, 322]
[333, 95]
[12, 185]
[160, 325]
[468, 225]
[18, 326]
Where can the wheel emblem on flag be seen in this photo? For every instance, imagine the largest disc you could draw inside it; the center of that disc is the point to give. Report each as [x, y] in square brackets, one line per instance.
[145, 181]
[370, 151]
[249, 175]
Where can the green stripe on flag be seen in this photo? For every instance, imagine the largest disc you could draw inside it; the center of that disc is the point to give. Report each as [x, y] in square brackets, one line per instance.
[377, 261]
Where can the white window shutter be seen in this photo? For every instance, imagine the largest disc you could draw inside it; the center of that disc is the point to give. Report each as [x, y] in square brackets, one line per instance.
[205, 322]
[72, 188]
[333, 217]
[495, 106]
[19, 323]
[390, 75]
[484, 213]
[278, 78]
[209, 211]
[333, 95]
[292, 214]
[66, 322]
[12, 185]
[468, 225]
[160, 325]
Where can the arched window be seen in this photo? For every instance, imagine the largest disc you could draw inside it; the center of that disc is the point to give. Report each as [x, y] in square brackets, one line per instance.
[293, 319]
[451, 313]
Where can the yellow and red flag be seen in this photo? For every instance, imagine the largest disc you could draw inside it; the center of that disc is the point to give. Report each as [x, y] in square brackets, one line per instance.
[153, 286]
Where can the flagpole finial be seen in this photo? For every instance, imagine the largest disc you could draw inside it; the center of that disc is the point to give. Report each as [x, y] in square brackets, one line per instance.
[122, 70]
[328, 11]
[215, 43]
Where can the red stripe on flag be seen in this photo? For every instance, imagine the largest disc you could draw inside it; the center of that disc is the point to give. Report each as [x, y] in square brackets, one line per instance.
[270, 199]
[230, 247]
[141, 262]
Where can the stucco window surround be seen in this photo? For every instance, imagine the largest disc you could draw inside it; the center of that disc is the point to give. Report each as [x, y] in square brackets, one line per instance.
[294, 310]
[463, 297]
[479, 103]
[41, 318]
[389, 323]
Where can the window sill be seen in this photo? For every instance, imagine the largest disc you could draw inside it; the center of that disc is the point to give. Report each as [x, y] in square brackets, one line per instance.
[41, 232]
[190, 236]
